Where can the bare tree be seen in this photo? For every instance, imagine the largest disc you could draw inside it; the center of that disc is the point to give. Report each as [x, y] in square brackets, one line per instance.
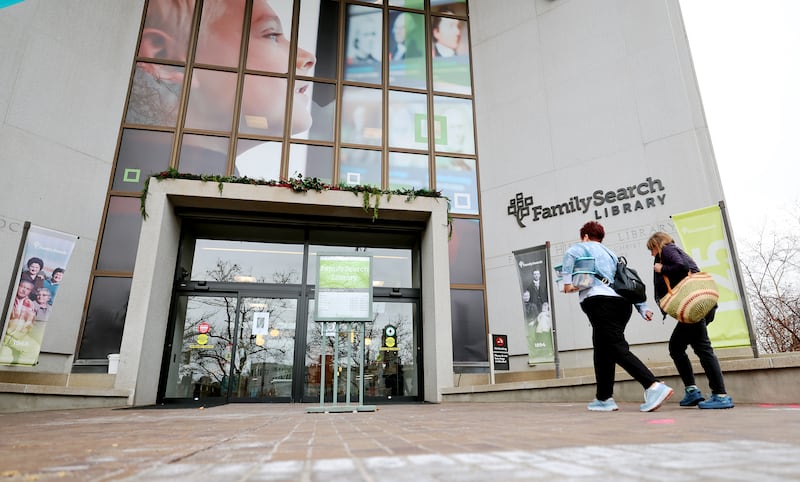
[771, 275]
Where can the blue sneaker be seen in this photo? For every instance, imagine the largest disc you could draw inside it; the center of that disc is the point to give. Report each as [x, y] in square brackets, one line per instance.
[608, 405]
[717, 401]
[654, 397]
[693, 397]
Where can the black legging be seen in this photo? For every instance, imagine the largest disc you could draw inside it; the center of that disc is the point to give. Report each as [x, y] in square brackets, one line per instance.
[609, 315]
[696, 335]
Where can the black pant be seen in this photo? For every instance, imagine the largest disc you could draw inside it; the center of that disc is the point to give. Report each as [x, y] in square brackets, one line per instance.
[696, 335]
[609, 315]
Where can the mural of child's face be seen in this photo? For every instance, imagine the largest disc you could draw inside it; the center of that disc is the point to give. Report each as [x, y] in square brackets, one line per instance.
[263, 97]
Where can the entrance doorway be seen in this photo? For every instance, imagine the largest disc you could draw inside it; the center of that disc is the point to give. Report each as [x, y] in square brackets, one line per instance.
[233, 337]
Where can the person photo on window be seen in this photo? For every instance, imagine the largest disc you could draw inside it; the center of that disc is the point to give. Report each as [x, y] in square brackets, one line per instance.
[446, 36]
[156, 87]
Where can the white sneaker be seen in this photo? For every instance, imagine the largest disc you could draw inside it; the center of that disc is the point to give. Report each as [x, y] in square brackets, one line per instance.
[608, 405]
[654, 397]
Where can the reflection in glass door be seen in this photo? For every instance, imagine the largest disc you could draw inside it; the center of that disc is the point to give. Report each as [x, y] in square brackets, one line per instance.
[201, 347]
[216, 354]
[391, 368]
[262, 364]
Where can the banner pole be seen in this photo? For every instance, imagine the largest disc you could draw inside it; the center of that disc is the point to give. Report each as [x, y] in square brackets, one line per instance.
[548, 268]
[738, 274]
[12, 285]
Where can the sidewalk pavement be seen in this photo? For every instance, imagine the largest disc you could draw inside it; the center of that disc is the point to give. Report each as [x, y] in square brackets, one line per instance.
[408, 442]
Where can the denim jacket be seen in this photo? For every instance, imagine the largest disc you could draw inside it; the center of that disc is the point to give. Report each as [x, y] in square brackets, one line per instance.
[605, 266]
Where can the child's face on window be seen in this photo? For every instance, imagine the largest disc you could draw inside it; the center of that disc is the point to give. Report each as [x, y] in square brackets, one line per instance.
[268, 51]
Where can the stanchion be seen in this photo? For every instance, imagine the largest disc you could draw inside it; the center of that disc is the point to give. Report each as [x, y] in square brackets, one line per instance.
[335, 407]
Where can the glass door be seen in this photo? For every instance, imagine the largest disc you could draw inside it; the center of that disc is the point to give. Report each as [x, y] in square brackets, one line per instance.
[264, 358]
[201, 347]
[226, 346]
[390, 358]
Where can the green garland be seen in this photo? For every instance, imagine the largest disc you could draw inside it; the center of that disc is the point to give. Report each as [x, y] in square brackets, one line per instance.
[371, 194]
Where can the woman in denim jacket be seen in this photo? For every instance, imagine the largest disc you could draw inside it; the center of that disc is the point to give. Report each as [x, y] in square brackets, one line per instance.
[609, 314]
[672, 262]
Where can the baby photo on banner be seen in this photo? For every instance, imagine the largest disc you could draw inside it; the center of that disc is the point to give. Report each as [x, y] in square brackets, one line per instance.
[34, 295]
[535, 296]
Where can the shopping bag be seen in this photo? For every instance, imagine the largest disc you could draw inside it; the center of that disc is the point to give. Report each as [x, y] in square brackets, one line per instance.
[691, 299]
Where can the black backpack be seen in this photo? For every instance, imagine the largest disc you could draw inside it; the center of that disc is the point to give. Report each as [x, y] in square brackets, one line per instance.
[627, 282]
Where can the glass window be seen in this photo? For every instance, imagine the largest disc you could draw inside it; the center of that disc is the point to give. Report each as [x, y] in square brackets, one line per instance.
[407, 66]
[319, 31]
[465, 252]
[453, 126]
[408, 120]
[155, 95]
[120, 235]
[415, 4]
[450, 39]
[270, 34]
[362, 116]
[391, 268]
[220, 33]
[258, 159]
[457, 178]
[363, 49]
[211, 100]
[264, 107]
[247, 262]
[469, 326]
[408, 171]
[105, 318]
[360, 167]
[204, 155]
[323, 110]
[452, 7]
[311, 161]
[166, 31]
[141, 153]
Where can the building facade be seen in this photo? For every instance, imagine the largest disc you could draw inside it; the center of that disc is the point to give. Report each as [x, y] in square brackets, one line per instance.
[528, 117]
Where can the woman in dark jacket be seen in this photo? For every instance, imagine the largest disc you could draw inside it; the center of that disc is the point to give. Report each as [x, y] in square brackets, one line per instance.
[672, 262]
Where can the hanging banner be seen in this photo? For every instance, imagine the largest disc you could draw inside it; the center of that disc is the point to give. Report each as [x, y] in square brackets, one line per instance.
[702, 235]
[534, 288]
[344, 288]
[34, 301]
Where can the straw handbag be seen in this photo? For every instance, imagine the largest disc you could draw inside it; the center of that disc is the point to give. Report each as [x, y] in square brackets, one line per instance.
[691, 299]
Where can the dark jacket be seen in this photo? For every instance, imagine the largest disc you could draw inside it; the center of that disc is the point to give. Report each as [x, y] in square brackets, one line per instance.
[675, 265]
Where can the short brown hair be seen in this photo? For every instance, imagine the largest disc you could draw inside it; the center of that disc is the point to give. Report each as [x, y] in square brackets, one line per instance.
[594, 230]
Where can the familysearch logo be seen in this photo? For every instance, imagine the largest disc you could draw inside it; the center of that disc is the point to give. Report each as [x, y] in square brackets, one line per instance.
[623, 200]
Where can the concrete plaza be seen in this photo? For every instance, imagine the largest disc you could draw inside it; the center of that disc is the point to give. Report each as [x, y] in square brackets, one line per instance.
[408, 442]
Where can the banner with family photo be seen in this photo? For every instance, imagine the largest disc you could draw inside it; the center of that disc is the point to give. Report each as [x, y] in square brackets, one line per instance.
[32, 304]
[532, 267]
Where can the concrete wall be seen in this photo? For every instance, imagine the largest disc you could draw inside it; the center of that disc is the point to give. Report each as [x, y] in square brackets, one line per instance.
[572, 97]
[63, 80]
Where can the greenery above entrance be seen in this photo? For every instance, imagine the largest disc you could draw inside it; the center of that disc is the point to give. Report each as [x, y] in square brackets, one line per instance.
[371, 195]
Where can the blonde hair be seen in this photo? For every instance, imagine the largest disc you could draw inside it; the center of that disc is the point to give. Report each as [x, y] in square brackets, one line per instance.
[658, 240]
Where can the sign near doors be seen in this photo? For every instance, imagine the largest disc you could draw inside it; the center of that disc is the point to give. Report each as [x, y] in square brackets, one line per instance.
[344, 288]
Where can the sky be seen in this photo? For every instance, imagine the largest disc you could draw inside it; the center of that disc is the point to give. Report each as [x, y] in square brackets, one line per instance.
[747, 59]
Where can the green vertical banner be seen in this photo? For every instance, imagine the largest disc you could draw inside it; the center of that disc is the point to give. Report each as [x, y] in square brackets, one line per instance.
[534, 286]
[702, 235]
